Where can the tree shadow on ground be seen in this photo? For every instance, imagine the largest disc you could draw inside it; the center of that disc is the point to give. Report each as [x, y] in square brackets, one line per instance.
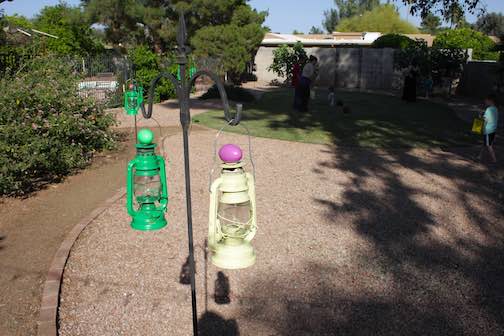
[461, 268]
[434, 224]
[328, 310]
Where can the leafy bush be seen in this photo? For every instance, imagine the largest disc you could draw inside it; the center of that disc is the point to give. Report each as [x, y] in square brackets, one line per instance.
[284, 59]
[147, 66]
[234, 93]
[395, 41]
[47, 129]
[467, 38]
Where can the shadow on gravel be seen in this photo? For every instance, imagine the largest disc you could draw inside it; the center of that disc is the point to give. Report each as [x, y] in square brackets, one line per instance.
[427, 271]
[447, 283]
[325, 310]
[212, 324]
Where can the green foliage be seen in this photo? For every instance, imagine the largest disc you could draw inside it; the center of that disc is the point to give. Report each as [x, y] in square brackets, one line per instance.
[350, 8]
[233, 44]
[395, 41]
[75, 36]
[18, 21]
[315, 30]
[384, 19]
[455, 15]
[120, 18]
[431, 62]
[430, 24]
[331, 20]
[416, 53]
[153, 22]
[424, 7]
[147, 66]
[467, 39]
[3, 23]
[491, 24]
[447, 62]
[234, 93]
[284, 59]
[47, 129]
[12, 58]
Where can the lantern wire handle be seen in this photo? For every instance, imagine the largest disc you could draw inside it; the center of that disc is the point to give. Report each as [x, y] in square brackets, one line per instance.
[230, 123]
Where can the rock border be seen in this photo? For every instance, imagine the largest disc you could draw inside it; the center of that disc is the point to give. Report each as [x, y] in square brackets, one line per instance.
[47, 323]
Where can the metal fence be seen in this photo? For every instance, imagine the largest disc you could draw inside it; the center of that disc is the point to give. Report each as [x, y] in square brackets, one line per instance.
[104, 77]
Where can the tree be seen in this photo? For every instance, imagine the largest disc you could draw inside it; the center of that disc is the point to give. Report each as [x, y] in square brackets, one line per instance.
[424, 7]
[384, 19]
[235, 43]
[3, 23]
[70, 26]
[133, 22]
[316, 30]
[349, 8]
[466, 38]
[331, 20]
[491, 24]
[455, 15]
[430, 24]
[297, 32]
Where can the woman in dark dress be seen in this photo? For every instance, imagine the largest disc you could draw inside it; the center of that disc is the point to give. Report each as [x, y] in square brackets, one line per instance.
[410, 83]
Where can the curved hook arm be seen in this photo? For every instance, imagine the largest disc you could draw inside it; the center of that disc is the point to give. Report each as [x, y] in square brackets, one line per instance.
[147, 114]
[222, 91]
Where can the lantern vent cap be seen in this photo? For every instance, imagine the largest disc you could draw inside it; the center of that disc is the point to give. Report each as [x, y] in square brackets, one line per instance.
[145, 136]
[230, 153]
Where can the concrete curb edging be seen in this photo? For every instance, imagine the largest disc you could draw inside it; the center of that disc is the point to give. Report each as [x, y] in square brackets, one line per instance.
[47, 321]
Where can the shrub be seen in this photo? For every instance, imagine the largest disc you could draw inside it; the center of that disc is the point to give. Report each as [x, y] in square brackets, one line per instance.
[395, 41]
[233, 92]
[467, 38]
[47, 129]
[147, 66]
[284, 59]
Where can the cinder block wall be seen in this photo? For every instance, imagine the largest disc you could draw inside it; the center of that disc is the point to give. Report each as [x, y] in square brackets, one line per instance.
[340, 67]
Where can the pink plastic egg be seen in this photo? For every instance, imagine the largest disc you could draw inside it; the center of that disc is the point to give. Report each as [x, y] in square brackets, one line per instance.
[230, 153]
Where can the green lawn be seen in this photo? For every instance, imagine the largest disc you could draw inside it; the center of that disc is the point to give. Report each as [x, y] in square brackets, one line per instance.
[375, 121]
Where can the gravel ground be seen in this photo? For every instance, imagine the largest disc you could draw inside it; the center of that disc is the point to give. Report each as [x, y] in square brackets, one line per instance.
[350, 242]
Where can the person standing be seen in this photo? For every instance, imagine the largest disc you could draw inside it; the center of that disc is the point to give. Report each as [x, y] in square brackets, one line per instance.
[491, 117]
[410, 83]
[307, 76]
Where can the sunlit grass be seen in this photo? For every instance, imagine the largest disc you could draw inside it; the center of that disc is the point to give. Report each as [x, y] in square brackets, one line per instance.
[374, 121]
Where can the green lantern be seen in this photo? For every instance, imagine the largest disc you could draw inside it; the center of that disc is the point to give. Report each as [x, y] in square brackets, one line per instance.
[133, 98]
[147, 194]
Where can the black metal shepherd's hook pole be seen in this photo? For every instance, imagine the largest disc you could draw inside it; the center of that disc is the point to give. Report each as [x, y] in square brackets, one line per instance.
[183, 90]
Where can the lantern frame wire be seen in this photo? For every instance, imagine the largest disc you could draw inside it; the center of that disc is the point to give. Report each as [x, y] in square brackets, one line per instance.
[183, 89]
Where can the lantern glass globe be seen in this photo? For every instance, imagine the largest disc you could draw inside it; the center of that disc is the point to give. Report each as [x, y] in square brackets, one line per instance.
[147, 188]
[235, 219]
